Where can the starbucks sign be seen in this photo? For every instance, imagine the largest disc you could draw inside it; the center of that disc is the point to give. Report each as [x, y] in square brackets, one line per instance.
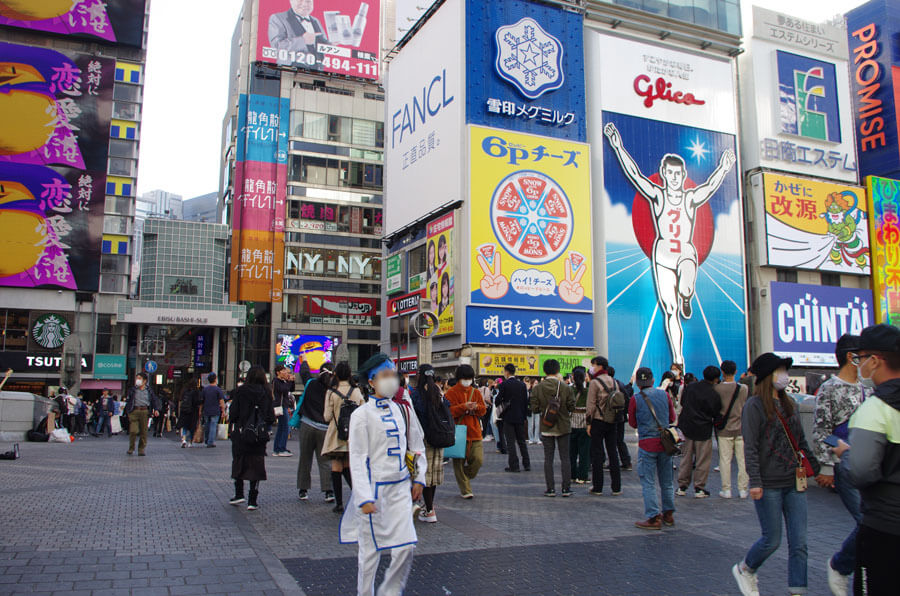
[50, 331]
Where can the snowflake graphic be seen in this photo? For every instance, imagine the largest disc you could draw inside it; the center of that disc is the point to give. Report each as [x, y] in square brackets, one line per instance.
[529, 58]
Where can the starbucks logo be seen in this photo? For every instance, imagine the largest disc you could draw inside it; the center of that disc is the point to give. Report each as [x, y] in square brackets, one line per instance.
[50, 331]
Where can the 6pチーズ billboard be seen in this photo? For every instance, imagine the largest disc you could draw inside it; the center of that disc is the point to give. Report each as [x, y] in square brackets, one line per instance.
[115, 21]
[530, 226]
[334, 36]
[820, 226]
[884, 209]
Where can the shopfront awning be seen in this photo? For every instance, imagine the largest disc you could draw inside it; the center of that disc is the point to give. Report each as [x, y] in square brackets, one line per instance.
[96, 384]
[203, 315]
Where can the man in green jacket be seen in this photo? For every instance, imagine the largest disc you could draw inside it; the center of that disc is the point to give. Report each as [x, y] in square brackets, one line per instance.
[553, 400]
[873, 460]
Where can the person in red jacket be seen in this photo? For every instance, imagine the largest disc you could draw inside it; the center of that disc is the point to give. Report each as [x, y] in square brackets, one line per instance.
[467, 407]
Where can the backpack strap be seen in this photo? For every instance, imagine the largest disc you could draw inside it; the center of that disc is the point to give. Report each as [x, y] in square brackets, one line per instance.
[652, 411]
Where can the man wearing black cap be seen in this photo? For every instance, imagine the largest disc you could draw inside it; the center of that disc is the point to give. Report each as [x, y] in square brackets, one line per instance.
[873, 462]
[700, 405]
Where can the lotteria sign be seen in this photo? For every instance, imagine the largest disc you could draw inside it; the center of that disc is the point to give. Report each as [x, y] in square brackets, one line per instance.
[875, 81]
[404, 305]
[808, 320]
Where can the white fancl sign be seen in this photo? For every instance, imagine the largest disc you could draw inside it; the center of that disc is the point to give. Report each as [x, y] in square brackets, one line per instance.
[424, 120]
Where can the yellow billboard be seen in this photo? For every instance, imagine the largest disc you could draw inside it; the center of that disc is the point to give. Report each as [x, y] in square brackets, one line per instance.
[816, 225]
[530, 225]
[884, 202]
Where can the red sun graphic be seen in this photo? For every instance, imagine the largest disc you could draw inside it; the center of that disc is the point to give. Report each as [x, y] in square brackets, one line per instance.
[645, 230]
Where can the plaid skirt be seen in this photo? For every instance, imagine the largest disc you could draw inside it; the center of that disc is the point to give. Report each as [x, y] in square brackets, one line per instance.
[434, 475]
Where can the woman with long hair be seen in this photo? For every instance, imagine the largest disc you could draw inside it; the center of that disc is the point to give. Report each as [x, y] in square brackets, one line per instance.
[426, 395]
[251, 404]
[342, 389]
[773, 447]
[580, 440]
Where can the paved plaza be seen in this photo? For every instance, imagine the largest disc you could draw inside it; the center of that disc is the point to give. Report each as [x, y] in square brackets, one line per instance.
[85, 518]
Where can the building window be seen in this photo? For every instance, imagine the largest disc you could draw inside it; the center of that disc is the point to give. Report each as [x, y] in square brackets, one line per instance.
[786, 275]
[831, 279]
[339, 129]
[122, 148]
[15, 330]
[130, 93]
[104, 334]
[114, 264]
[113, 284]
[113, 224]
[119, 205]
[126, 111]
[122, 167]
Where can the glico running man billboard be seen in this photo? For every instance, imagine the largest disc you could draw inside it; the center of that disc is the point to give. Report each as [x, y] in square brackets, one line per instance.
[55, 113]
[671, 205]
[114, 21]
[335, 36]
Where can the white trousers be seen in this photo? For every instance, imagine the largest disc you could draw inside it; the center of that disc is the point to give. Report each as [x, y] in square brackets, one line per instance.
[394, 577]
[732, 447]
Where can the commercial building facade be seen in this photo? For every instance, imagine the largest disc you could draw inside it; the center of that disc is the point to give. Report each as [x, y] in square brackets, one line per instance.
[69, 233]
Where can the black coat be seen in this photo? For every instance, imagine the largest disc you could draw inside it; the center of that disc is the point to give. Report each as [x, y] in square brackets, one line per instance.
[282, 390]
[700, 404]
[189, 410]
[243, 400]
[512, 397]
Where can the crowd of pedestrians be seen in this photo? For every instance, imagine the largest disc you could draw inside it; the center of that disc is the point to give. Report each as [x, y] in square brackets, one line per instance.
[389, 441]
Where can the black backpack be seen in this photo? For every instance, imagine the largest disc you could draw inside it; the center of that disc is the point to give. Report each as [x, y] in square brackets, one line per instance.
[343, 421]
[255, 432]
[439, 427]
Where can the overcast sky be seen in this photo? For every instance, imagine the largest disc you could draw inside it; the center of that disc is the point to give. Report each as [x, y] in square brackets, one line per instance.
[187, 83]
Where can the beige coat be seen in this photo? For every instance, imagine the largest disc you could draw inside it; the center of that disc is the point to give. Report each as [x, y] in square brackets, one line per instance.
[333, 445]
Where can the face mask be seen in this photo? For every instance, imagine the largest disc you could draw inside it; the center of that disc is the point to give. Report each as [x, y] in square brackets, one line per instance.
[781, 381]
[138, 383]
[387, 386]
[466, 382]
[867, 382]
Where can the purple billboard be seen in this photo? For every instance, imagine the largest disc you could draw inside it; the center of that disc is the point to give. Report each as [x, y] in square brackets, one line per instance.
[808, 320]
[114, 21]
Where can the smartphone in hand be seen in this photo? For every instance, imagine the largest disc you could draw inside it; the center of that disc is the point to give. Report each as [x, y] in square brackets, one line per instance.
[831, 440]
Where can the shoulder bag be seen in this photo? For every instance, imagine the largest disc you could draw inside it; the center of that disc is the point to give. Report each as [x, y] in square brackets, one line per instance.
[722, 421]
[667, 436]
[804, 467]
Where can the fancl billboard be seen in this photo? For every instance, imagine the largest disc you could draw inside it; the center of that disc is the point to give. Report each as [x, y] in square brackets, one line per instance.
[669, 205]
[808, 320]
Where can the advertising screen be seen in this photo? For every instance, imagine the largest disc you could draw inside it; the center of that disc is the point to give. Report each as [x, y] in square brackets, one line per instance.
[334, 36]
[114, 21]
[808, 320]
[527, 73]
[815, 225]
[293, 350]
[55, 111]
[884, 208]
[439, 273]
[671, 206]
[531, 222]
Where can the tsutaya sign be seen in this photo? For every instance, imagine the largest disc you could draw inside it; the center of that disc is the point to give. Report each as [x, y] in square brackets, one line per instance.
[796, 101]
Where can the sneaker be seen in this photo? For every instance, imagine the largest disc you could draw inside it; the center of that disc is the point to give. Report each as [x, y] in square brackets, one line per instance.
[596, 493]
[211, 446]
[627, 468]
[668, 518]
[527, 468]
[488, 439]
[616, 493]
[141, 454]
[416, 508]
[236, 500]
[183, 444]
[303, 495]
[839, 583]
[744, 494]
[580, 481]
[429, 517]
[467, 496]
[566, 493]
[746, 580]
[682, 491]
[651, 524]
[130, 452]
[338, 508]
[287, 453]
[550, 493]
[725, 494]
[329, 496]
[701, 493]
[512, 470]
[686, 307]
[252, 507]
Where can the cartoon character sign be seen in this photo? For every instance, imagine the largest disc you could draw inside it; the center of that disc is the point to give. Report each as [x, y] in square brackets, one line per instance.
[816, 225]
[681, 194]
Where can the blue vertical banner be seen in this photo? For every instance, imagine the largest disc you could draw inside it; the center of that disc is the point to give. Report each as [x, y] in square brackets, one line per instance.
[525, 68]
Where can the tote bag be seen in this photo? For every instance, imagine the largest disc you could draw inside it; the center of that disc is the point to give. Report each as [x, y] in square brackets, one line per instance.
[458, 451]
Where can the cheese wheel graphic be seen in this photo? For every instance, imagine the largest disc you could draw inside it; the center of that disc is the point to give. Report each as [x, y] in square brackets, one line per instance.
[21, 236]
[29, 10]
[26, 116]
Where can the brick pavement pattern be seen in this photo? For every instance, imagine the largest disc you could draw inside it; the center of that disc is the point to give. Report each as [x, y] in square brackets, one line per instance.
[85, 518]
